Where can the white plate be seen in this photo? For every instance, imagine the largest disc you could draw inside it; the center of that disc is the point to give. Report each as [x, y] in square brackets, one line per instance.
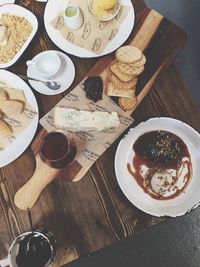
[173, 207]
[65, 76]
[54, 7]
[23, 12]
[3, 2]
[15, 149]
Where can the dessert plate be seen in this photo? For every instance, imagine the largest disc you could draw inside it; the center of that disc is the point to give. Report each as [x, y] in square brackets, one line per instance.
[65, 76]
[178, 206]
[19, 145]
[23, 12]
[54, 7]
[3, 2]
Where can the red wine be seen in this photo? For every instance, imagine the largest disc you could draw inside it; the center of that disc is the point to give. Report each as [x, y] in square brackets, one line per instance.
[57, 150]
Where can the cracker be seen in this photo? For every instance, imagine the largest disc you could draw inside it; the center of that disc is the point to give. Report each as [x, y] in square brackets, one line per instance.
[129, 69]
[11, 107]
[114, 68]
[140, 62]
[122, 85]
[5, 129]
[128, 54]
[112, 90]
[127, 103]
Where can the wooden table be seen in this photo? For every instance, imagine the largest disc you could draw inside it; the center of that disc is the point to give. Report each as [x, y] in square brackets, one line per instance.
[92, 213]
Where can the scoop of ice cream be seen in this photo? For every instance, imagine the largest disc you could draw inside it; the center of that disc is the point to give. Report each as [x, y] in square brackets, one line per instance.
[161, 182]
[105, 4]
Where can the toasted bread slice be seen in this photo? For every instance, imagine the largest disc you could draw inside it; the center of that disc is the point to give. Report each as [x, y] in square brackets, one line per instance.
[11, 107]
[5, 129]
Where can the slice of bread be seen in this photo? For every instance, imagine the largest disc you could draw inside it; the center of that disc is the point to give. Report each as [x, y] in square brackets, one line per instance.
[11, 107]
[3, 95]
[5, 129]
[16, 94]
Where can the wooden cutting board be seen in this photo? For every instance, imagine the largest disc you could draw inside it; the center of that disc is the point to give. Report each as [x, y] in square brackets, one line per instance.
[161, 41]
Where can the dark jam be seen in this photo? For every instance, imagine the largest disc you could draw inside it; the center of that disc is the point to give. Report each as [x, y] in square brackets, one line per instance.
[93, 87]
[57, 150]
[35, 250]
[159, 150]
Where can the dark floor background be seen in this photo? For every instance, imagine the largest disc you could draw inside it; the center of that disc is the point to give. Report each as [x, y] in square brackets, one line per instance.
[175, 243]
[186, 14]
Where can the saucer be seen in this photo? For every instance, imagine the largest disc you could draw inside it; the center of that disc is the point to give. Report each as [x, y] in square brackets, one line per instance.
[65, 76]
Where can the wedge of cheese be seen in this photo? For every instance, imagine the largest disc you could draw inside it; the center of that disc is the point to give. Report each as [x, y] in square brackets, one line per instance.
[82, 120]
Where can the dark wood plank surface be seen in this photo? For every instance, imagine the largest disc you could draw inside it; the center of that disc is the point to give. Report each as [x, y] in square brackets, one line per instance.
[85, 222]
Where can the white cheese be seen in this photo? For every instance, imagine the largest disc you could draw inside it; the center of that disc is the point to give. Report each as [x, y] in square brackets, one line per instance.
[81, 120]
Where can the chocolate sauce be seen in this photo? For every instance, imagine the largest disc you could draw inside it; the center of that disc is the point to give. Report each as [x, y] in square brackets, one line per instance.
[159, 151]
[35, 250]
[57, 150]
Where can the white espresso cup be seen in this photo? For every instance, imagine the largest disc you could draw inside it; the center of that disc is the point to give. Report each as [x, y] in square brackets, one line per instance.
[11, 260]
[46, 63]
[73, 17]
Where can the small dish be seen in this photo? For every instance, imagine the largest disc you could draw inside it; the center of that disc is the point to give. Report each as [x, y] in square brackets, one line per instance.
[111, 14]
[22, 12]
[65, 75]
[73, 17]
[46, 63]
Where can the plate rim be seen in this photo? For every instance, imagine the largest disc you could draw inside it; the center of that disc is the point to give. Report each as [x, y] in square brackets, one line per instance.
[122, 187]
[33, 128]
[9, 2]
[30, 16]
[84, 53]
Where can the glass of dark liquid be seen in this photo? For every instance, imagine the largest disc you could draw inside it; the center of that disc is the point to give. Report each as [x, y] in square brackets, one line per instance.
[33, 249]
[58, 149]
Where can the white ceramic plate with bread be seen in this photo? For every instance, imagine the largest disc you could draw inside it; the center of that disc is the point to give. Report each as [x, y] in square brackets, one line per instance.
[54, 7]
[18, 146]
[189, 198]
[16, 10]
[3, 2]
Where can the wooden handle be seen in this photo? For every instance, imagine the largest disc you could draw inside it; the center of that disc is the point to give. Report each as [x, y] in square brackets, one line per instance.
[149, 26]
[28, 194]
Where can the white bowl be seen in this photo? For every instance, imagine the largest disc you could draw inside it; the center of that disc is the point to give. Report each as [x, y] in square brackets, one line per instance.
[108, 17]
[23, 12]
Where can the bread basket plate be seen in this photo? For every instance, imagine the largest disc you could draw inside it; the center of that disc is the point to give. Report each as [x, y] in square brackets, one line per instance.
[23, 12]
[54, 7]
[3, 2]
[189, 198]
[18, 146]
